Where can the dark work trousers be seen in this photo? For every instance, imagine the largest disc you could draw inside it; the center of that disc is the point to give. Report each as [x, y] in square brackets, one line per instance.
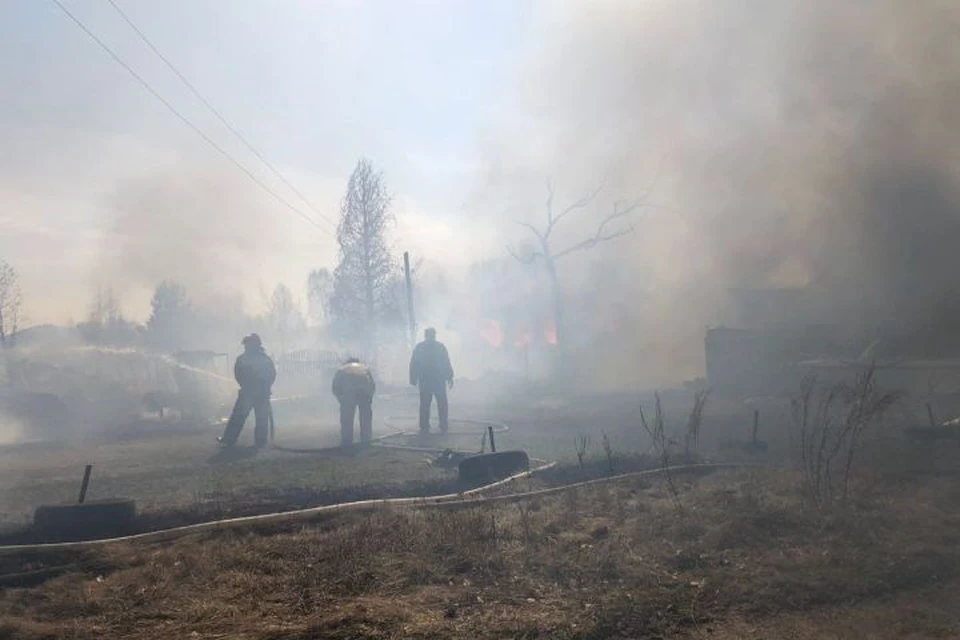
[349, 404]
[259, 403]
[429, 390]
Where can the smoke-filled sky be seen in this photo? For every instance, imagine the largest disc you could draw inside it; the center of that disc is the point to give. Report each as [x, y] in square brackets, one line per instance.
[784, 143]
[798, 142]
[100, 183]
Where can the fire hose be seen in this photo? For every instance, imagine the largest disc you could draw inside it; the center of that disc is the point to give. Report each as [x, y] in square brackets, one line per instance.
[468, 498]
[452, 501]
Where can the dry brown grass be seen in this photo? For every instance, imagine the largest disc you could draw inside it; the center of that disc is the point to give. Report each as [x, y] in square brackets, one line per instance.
[744, 559]
[177, 481]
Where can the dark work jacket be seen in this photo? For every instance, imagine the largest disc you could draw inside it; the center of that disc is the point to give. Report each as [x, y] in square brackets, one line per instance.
[255, 372]
[353, 382]
[430, 364]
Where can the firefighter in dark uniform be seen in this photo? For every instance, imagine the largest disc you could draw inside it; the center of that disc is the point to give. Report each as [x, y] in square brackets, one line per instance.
[255, 373]
[354, 387]
[431, 371]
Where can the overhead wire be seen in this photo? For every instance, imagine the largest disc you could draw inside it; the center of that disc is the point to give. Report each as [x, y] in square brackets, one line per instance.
[217, 113]
[146, 85]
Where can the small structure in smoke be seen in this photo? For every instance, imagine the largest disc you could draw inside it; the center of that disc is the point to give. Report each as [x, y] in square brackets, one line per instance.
[757, 356]
[777, 343]
[308, 370]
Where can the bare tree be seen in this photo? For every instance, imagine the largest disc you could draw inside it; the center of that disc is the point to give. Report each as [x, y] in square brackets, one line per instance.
[105, 323]
[104, 306]
[319, 291]
[609, 228]
[364, 278]
[283, 316]
[11, 302]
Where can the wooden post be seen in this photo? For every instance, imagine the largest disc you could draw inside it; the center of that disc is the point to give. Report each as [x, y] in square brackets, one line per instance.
[756, 424]
[493, 445]
[86, 483]
[410, 317]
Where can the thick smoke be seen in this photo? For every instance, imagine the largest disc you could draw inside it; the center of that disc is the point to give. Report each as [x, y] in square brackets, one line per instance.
[208, 230]
[797, 143]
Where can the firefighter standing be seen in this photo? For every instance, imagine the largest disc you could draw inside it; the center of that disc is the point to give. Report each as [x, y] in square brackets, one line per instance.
[354, 387]
[255, 373]
[430, 369]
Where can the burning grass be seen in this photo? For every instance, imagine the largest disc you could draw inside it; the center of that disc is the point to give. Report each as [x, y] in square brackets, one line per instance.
[615, 560]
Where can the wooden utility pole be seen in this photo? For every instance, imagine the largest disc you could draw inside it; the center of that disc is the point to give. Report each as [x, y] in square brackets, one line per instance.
[412, 320]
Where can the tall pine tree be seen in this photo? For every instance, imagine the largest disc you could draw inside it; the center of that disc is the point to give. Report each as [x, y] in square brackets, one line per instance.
[362, 280]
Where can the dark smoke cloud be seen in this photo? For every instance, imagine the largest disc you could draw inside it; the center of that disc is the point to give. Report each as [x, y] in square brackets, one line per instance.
[802, 142]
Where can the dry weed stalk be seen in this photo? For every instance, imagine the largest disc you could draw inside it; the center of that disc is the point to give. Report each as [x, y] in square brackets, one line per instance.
[524, 511]
[583, 443]
[661, 445]
[608, 451]
[692, 439]
[832, 427]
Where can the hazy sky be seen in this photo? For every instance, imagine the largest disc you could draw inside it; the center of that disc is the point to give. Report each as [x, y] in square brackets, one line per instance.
[789, 143]
[100, 183]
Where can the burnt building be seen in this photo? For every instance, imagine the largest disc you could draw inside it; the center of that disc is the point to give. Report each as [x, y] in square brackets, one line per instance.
[764, 335]
[771, 338]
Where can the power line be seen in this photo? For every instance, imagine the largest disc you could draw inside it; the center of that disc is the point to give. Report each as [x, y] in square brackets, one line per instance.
[199, 132]
[217, 113]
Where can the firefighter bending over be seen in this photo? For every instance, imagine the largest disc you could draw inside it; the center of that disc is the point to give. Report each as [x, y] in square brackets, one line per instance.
[430, 369]
[354, 387]
[255, 373]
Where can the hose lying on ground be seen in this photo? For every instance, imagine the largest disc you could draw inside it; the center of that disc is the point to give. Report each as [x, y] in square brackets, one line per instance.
[471, 497]
[275, 518]
[449, 500]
